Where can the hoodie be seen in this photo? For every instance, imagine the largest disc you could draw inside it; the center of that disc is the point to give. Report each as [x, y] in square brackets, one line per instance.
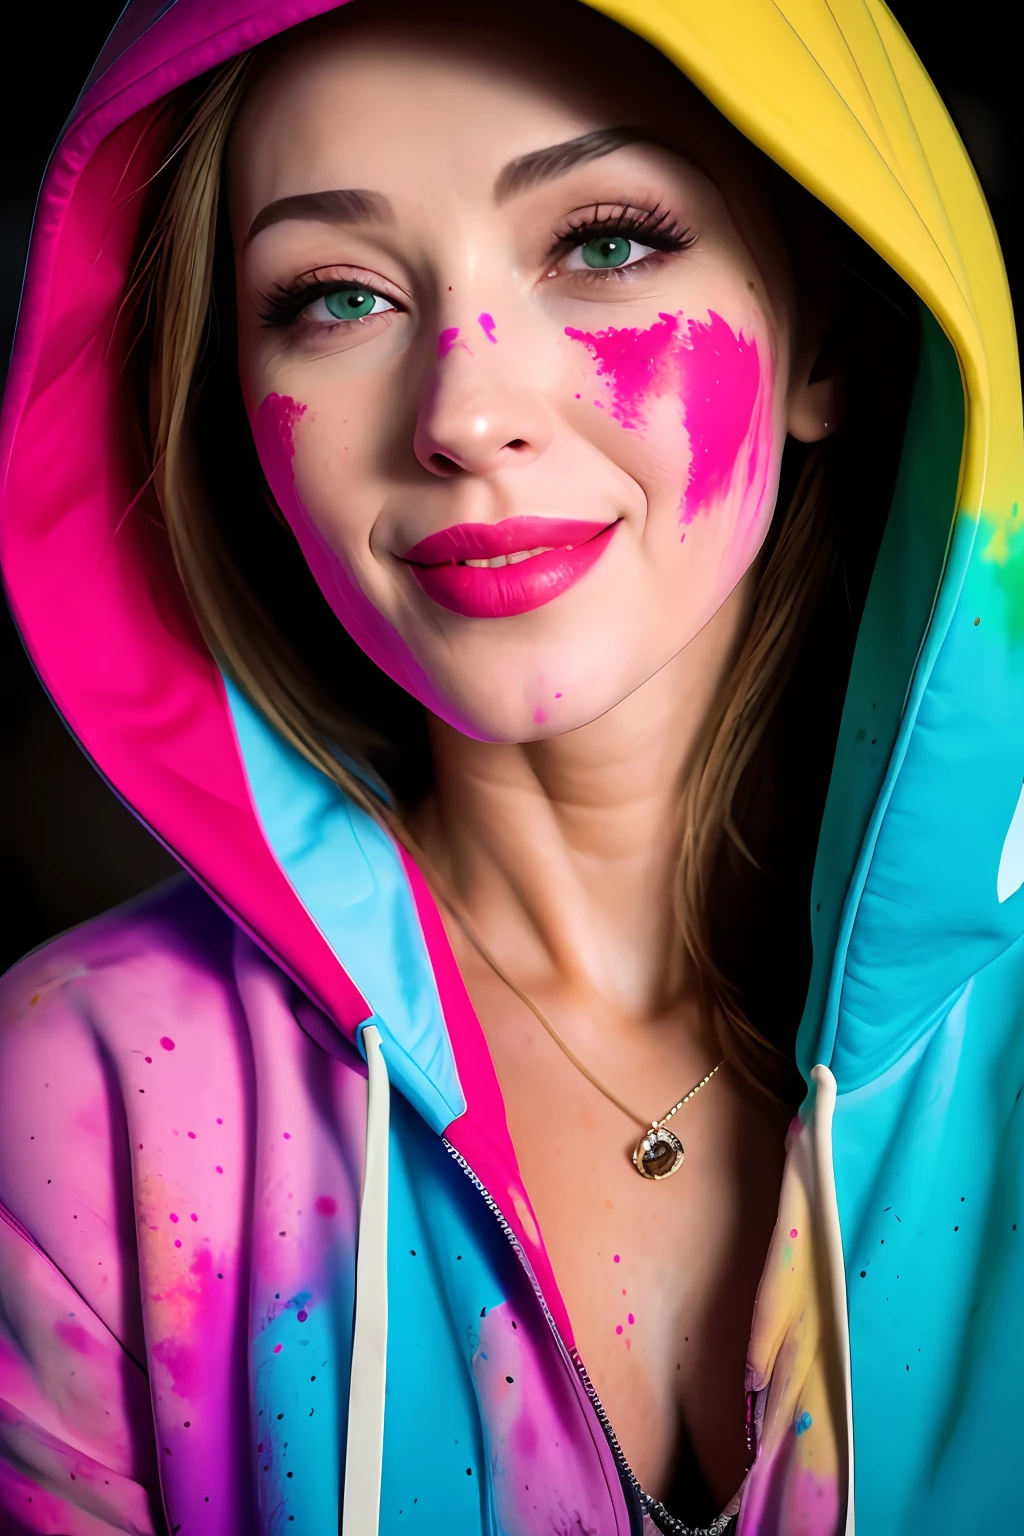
[267, 1262]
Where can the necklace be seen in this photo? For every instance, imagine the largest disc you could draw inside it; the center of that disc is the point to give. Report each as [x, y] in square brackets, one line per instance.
[659, 1152]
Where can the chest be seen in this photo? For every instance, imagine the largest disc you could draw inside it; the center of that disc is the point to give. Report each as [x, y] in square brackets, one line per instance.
[658, 1277]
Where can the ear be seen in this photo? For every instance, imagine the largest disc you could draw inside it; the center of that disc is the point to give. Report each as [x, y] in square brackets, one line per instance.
[815, 403]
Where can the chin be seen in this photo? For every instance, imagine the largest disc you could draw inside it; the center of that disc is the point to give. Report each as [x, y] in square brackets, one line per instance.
[514, 711]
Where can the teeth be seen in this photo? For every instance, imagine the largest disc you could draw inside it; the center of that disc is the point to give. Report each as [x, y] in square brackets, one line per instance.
[513, 559]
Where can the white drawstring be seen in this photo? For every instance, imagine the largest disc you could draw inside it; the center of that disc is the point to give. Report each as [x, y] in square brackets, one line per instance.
[364, 1451]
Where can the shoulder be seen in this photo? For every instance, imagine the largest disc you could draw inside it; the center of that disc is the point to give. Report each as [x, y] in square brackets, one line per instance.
[151, 953]
[79, 1018]
[74, 1009]
[173, 935]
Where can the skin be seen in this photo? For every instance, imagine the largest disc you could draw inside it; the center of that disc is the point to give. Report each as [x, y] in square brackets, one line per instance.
[560, 735]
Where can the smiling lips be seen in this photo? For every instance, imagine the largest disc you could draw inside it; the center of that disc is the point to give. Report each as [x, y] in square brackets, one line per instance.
[494, 570]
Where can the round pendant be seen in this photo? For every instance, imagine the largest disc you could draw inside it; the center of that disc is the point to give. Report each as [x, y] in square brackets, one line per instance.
[657, 1154]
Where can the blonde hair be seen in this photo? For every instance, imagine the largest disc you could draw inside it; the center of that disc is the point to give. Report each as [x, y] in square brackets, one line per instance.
[797, 570]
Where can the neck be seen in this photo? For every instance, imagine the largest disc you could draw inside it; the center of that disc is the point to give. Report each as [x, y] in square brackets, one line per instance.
[563, 853]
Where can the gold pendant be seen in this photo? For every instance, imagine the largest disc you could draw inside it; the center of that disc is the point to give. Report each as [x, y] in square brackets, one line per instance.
[658, 1154]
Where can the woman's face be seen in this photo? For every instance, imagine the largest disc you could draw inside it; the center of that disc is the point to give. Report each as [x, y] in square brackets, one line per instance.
[519, 370]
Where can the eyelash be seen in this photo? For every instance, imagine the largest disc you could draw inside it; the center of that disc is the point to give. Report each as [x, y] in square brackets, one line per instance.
[655, 227]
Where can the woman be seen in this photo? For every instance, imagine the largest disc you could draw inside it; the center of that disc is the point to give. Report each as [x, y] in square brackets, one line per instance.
[473, 454]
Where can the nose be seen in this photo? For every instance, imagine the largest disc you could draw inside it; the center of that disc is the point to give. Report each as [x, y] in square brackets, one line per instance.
[478, 414]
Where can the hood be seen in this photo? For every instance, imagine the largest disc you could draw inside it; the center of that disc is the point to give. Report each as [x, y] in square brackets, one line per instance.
[921, 859]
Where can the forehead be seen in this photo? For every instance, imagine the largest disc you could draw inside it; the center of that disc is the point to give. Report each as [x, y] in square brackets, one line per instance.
[339, 105]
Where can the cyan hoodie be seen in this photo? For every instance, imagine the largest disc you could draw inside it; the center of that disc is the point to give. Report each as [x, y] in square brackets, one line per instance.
[266, 1258]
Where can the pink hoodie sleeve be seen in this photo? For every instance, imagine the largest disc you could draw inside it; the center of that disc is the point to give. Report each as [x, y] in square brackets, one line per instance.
[77, 1452]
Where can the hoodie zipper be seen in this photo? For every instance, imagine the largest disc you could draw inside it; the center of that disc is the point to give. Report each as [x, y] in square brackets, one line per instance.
[641, 1500]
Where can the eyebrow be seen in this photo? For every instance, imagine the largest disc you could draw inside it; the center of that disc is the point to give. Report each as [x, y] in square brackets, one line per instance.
[558, 159]
[353, 206]
[357, 206]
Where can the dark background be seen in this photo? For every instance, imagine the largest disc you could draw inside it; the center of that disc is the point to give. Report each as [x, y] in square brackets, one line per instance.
[68, 848]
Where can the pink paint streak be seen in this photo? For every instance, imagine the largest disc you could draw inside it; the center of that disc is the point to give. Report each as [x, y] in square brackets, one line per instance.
[447, 340]
[487, 326]
[74, 1335]
[274, 426]
[717, 378]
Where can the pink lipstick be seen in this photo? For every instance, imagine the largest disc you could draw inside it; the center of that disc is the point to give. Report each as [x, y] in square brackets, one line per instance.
[494, 570]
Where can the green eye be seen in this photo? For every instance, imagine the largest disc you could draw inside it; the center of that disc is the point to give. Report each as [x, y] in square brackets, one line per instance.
[606, 251]
[350, 303]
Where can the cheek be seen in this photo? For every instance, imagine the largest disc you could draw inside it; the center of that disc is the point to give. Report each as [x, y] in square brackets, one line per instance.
[274, 428]
[703, 380]
[726, 395]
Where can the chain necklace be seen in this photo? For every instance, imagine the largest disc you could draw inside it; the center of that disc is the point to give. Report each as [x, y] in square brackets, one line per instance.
[659, 1152]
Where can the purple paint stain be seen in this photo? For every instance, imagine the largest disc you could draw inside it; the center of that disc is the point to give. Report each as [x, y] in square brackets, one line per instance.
[558, 695]
[191, 1135]
[793, 1232]
[150, 1060]
[218, 1169]
[74, 1335]
[177, 1242]
[631, 1319]
[619, 1328]
[539, 717]
[716, 375]
[616, 1259]
[287, 1135]
[302, 1315]
[194, 1216]
[447, 340]
[278, 1348]
[173, 1216]
[487, 326]
[219, 1120]
[325, 1205]
[167, 1042]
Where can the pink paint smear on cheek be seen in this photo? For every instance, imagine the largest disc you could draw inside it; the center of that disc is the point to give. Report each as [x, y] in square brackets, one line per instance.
[274, 427]
[633, 361]
[717, 377]
[487, 326]
[447, 340]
